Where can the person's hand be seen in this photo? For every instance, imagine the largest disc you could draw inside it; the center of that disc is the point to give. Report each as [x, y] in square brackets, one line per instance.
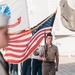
[10, 72]
[44, 59]
[56, 68]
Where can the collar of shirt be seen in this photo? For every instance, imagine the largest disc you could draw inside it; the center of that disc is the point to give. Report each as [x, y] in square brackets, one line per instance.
[49, 45]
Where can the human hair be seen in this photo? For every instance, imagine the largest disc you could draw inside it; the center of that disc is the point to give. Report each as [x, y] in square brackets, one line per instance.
[49, 34]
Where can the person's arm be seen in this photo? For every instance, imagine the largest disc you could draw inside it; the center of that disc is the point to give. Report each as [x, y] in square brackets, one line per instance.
[57, 62]
[36, 53]
[42, 58]
[41, 53]
[57, 58]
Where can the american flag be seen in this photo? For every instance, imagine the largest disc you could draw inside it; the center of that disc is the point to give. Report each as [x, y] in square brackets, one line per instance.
[22, 44]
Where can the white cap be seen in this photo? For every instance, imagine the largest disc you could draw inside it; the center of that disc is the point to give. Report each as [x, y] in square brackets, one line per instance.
[4, 15]
[3, 20]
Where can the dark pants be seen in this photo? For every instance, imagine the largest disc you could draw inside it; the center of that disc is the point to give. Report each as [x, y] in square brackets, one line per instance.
[15, 69]
[48, 68]
[10, 68]
[36, 67]
[26, 69]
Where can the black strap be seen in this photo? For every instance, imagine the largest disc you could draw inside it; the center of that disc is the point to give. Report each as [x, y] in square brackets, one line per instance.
[46, 49]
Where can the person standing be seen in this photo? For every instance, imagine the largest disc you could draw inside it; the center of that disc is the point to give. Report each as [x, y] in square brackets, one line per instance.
[26, 68]
[4, 68]
[48, 54]
[36, 64]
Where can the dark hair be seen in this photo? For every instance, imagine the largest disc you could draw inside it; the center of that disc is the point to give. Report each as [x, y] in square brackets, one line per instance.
[49, 34]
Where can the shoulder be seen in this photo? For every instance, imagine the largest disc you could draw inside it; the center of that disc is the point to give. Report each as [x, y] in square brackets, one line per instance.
[54, 46]
[42, 48]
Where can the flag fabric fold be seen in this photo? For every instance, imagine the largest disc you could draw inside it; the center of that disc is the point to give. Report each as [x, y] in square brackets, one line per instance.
[22, 44]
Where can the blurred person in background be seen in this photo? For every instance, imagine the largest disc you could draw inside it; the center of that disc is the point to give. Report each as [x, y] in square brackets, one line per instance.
[36, 64]
[4, 19]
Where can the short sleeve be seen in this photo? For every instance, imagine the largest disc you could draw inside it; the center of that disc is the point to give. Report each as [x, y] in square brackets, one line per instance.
[57, 52]
[41, 53]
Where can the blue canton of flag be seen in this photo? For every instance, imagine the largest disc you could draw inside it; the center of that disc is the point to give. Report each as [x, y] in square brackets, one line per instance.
[48, 22]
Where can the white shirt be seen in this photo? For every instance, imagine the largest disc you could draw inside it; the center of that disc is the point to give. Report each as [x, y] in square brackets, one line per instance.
[38, 50]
